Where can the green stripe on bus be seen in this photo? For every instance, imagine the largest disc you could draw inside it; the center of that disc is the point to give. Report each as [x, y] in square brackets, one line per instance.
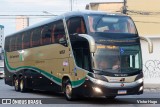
[58, 80]
[78, 82]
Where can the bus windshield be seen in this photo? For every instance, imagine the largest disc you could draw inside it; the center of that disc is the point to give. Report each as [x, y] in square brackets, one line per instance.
[111, 24]
[117, 59]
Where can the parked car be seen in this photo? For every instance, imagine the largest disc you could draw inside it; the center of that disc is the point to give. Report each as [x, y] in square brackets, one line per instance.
[1, 72]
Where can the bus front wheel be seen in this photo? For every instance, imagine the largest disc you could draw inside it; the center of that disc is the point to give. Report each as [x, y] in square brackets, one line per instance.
[22, 85]
[68, 91]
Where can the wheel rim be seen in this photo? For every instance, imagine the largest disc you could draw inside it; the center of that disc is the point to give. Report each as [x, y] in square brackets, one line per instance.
[21, 85]
[16, 84]
[68, 91]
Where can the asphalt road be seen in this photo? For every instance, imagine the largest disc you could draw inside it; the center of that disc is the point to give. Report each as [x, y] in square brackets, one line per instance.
[58, 100]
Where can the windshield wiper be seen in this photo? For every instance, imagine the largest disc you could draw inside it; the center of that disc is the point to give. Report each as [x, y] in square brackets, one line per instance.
[101, 71]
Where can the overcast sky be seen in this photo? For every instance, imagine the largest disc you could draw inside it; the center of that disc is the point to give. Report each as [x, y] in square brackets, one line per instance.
[36, 7]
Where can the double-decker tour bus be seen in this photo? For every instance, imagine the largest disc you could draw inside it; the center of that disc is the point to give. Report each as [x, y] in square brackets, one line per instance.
[83, 53]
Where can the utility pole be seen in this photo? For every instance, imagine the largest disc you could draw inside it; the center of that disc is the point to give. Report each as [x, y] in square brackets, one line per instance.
[71, 4]
[125, 7]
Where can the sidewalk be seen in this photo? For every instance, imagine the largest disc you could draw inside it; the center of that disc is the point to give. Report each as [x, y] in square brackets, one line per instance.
[152, 87]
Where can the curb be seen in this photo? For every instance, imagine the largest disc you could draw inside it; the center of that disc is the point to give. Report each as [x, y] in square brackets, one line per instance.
[151, 86]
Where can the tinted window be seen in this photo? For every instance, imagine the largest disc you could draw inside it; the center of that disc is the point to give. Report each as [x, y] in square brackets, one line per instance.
[26, 40]
[46, 35]
[76, 25]
[7, 41]
[19, 42]
[111, 24]
[36, 37]
[59, 33]
[12, 45]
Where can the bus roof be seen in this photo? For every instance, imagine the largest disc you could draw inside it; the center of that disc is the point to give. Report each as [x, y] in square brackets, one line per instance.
[68, 14]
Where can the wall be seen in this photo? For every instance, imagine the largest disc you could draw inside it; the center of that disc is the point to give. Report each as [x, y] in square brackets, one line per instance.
[106, 6]
[151, 62]
[146, 14]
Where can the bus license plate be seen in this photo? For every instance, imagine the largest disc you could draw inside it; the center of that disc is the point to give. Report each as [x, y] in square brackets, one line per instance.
[122, 91]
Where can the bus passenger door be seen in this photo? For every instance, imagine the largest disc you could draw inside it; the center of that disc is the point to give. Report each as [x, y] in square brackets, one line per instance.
[79, 60]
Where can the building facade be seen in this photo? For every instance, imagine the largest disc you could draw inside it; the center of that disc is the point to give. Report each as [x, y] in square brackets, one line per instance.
[1, 42]
[1, 36]
[106, 6]
[146, 15]
[21, 22]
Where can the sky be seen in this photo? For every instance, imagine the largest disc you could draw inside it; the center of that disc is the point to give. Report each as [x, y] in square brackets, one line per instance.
[36, 7]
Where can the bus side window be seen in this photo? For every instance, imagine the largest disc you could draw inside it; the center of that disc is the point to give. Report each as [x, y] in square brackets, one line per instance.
[59, 33]
[26, 40]
[76, 25]
[46, 35]
[52, 33]
[12, 44]
[36, 37]
[19, 42]
[7, 42]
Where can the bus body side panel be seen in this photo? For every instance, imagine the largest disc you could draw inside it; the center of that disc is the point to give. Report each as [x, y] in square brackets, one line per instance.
[8, 76]
[42, 67]
[35, 80]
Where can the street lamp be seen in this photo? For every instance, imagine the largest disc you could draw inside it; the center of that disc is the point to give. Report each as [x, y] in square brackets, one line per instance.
[49, 13]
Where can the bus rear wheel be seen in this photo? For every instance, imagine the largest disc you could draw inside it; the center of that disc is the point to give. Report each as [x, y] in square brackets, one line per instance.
[68, 91]
[22, 85]
[16, 84]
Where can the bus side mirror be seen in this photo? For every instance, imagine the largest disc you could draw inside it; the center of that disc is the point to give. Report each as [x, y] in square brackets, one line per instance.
[150, 44]
[63, 41]
[91, 41]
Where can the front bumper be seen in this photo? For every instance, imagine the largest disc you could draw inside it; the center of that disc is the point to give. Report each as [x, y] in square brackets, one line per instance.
[91, 88]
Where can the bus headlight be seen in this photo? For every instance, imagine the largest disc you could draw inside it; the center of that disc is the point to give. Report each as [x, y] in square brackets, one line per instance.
[141, 88]
[139, 80]
[97, 90]
[100, 82]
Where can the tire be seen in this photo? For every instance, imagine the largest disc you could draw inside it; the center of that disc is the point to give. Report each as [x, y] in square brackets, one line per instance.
[68, 91]
[16, 84]
[22, 85]
[110, 97]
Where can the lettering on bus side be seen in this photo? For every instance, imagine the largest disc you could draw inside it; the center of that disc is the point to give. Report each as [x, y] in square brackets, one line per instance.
[14, 56]
[62, 52]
